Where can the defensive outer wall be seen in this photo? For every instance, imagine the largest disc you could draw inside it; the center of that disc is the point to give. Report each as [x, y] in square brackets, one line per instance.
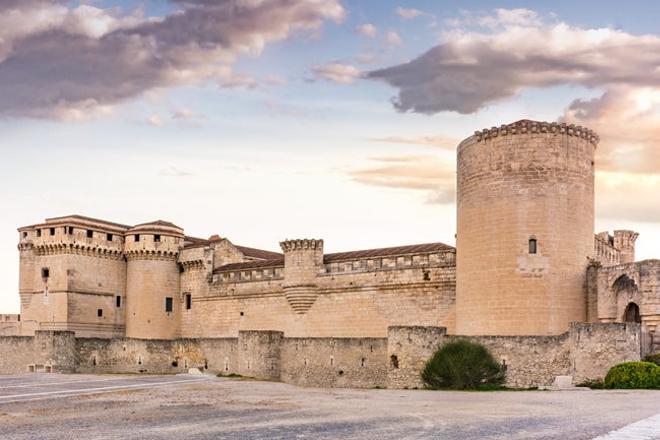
[585, 352]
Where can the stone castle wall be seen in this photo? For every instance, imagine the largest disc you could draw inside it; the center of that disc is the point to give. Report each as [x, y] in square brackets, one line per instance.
[516, 184]
[586, 352]
[357, 303]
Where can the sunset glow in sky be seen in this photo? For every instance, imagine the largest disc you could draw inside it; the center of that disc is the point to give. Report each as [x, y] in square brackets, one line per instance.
[261, 120]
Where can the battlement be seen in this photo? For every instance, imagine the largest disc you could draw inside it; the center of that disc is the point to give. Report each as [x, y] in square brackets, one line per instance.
[301, 244]
[526, 126]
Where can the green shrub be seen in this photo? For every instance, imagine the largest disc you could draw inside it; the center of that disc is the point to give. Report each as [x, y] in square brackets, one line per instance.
[631, 375]
[462, 365]
[655, 358]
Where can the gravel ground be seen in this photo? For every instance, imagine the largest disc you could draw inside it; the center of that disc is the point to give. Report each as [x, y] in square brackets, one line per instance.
[202, 407]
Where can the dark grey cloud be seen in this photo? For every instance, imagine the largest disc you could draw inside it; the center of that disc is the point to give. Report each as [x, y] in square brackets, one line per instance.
[62, 70]
[472, 69]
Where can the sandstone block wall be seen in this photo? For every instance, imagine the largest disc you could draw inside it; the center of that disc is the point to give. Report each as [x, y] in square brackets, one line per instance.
[52, 351]
[586, 352]
[358, 303]
[596, 347]
[259, 354]
[521, 182]
[335, 362]
[408, 350]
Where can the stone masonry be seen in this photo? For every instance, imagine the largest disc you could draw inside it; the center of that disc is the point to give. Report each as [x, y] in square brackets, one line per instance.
[527, 278]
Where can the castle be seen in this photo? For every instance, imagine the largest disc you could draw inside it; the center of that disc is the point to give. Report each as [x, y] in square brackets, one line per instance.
[526, 263]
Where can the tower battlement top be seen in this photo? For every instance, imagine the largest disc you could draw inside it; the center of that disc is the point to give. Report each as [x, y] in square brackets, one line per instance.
[526, 126]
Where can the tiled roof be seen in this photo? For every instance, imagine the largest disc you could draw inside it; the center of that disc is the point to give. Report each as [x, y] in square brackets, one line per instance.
[255, 264]
[193, 242]
[344, 256]
[90, 219]
[158, 223]
[386, 252]
[259, 253]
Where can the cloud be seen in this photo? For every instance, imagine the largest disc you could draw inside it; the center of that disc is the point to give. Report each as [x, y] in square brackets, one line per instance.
[408, 13]
[367, 29]
[472, 69]
[517, 51]
[628, 122]
[336, 72]
[443, 142]
[57, 62]
[393, 39]
[155, 121]
[422, 173]
[615, 199]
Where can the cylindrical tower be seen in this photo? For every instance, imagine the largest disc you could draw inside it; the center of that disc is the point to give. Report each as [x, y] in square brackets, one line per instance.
[153, 306]
[525, 228]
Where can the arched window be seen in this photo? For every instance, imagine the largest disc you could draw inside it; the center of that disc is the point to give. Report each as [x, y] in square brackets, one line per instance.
[532, 246]
[632, 314]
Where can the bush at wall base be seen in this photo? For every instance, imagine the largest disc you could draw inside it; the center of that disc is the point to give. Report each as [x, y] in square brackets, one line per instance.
[462, 365]
[655, 358]
[630, 375]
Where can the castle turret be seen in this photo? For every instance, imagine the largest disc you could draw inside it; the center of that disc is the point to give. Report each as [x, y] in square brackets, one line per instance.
[624, 241]
[525, 228]
[153, 305]
[303, 259]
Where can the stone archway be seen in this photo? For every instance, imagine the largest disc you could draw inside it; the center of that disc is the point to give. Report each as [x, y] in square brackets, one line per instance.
[631, 314]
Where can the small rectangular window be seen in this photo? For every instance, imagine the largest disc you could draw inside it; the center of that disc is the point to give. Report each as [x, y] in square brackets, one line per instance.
[118, 301]
[109, 237]
[90, 233]
[38, 232]
[532, 245]
[156, 238]
[70, 230]
[52, 231]
[25, 234]
[136, 237]
[168, 304]
[45, 272]
[188, 301]
[99, 313]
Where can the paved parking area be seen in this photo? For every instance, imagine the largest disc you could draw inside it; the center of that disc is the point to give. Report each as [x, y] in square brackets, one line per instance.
[54, 406]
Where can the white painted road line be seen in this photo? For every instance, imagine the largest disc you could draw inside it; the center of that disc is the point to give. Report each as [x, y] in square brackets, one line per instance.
[64, 382]
[83, 391]
[646, 429]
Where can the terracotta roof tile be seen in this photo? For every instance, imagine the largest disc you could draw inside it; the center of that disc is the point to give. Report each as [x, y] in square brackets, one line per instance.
[259, 253]
[344, 256]
[389, 251]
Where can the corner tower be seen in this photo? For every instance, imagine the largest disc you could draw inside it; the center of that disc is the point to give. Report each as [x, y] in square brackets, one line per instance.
[525, 228]
[153, 306]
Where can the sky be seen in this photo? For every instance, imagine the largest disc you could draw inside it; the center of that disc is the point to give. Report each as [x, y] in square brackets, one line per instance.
[262, 120]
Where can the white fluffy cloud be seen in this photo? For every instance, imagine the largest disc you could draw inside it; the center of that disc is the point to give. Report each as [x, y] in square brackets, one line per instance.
[367, 29]
[59, 62]
[393, 39]
[408, 13]
[336, 72]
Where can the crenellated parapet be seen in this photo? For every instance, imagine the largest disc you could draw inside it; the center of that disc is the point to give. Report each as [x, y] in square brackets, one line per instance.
[527, 126]
[147, 254]
[78, 249]
[301, 244]
[190, 265]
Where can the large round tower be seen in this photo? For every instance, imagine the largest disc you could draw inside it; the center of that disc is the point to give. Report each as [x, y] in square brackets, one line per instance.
[152, 280]
[525, 228]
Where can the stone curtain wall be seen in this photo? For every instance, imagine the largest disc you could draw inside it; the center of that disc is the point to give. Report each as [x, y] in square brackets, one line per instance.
[54, 350]
[596, 347]
[335, 362]
[585, 352]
